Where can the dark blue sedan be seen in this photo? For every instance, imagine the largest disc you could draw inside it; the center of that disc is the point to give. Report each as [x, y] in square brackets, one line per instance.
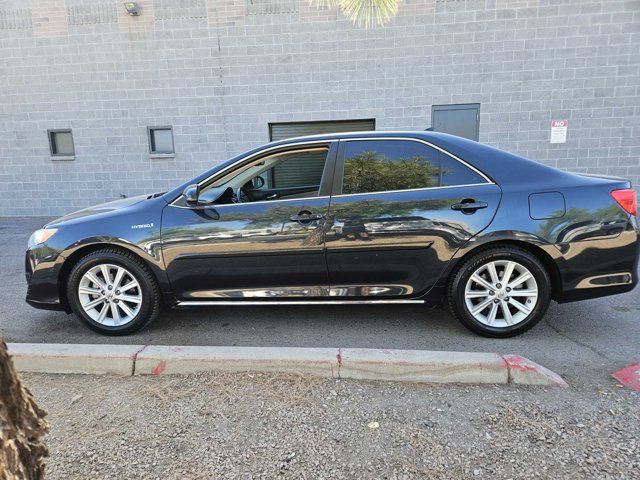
[393, 217]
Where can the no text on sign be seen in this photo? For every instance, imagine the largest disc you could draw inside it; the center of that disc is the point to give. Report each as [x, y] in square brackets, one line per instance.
[559, 131]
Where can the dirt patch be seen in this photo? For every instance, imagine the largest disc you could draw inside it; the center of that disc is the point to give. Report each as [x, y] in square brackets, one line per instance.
[255, 425]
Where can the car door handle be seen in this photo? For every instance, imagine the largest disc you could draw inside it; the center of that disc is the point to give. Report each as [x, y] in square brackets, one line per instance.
[306, 217]
[469, 207]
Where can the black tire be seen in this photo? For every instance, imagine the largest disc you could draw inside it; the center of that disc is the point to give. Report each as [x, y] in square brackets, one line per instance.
[149, 307]
[459, 279]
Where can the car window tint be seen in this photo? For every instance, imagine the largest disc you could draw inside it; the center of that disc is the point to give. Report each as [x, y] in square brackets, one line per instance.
[298, 169]
[455, 173]
[289, 174]
[383, 165]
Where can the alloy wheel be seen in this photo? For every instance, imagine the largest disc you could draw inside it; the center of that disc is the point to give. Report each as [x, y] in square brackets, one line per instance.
[110, 295]
[501, 293]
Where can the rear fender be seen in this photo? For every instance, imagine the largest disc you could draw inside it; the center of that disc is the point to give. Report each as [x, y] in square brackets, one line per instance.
[551, 256]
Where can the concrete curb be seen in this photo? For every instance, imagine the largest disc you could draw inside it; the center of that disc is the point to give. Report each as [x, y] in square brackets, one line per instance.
[525, 372]
[74, 358]
[158, 360]
[359, 363]
[422, 366]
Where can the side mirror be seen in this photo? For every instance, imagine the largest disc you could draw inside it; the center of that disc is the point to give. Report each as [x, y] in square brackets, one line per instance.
[191, 194]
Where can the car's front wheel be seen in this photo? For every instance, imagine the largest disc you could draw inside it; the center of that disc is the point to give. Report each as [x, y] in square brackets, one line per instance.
[113, 292]
[500, 292]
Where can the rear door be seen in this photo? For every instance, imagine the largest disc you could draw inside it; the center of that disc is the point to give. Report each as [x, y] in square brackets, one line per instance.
[400, 209]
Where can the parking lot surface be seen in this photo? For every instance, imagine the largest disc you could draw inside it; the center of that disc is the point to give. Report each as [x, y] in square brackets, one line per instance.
[585, 342]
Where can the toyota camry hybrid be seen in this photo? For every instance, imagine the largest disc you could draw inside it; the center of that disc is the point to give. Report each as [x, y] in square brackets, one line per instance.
[411, 217]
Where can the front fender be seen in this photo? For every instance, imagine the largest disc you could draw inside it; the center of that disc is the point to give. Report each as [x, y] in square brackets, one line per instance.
[136, 230]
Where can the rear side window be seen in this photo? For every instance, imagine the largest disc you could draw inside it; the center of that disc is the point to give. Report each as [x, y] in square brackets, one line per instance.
[383, 165]
[453, 172]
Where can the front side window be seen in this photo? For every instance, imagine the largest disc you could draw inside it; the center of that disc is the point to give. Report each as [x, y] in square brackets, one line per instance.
[384, 165]
[289, 174]
[297, 169]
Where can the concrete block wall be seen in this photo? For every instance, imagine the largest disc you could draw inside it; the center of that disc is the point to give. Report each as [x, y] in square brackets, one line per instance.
[219, 71]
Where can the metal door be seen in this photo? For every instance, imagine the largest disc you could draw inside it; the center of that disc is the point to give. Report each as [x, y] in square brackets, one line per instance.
[460, 120]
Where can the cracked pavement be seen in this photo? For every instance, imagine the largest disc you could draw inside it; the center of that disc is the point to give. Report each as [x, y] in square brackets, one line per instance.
[584, 342]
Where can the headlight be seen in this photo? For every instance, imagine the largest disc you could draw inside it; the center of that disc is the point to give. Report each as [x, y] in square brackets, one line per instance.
[41, 236]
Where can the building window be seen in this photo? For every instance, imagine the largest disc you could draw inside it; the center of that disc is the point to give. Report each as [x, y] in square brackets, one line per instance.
[61, 143]
[161, 140]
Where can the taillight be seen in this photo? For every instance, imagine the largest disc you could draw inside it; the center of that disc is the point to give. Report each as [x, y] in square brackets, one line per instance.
[626, 198]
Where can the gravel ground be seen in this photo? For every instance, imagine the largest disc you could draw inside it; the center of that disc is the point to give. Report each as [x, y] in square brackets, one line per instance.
[281, 426]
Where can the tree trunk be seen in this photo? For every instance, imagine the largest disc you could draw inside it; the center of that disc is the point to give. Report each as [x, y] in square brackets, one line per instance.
[22, 425]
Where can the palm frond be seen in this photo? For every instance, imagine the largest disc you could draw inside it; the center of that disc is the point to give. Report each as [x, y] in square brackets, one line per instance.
[364, 13]
[325, 3]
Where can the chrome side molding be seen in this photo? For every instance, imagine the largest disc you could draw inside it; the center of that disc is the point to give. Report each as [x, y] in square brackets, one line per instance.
[202, 303]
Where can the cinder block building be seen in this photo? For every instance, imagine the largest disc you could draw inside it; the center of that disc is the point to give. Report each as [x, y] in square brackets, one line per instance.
[96, 103]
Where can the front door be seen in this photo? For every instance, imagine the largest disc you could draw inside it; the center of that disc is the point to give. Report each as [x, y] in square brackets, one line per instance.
[253, 235]
[400, 210]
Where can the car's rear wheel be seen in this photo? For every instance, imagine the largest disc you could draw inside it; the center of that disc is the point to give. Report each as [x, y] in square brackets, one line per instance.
[113, 292]
[500, 292]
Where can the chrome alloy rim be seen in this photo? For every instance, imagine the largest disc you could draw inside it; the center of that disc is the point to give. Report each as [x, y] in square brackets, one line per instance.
[501, 293]
[110, 295]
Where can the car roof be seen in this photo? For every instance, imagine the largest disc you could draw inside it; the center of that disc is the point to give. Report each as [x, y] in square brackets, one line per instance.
[355, 134]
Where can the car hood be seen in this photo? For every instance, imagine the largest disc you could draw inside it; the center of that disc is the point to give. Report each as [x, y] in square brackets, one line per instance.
[102, 208]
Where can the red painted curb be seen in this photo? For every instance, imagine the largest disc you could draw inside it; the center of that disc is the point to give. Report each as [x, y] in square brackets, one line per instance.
[523, 370]
[629, 376]
[358, 363]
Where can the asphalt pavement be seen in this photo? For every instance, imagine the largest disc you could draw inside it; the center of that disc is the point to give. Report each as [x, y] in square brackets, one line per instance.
[585, 342]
